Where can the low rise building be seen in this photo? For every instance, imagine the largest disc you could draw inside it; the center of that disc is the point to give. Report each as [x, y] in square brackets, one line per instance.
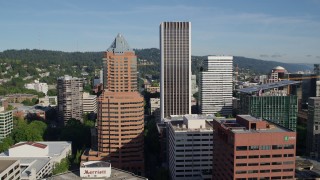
[48, 101]
[19, 98]
[39, 87]
[37, 159]
[10, 169]
[29, 113]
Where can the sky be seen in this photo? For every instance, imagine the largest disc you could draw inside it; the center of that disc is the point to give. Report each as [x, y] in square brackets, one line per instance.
[281, 30]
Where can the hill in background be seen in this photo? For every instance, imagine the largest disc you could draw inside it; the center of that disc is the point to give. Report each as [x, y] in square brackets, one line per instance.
[94, 59]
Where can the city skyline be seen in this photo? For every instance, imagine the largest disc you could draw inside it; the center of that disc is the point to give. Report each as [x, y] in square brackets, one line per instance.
[286, 31]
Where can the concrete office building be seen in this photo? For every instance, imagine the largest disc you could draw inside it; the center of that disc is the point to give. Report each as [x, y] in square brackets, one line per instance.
[10, 169]
[120, 121]
[313, 128]
[89, 103]
[215, 94]
[70, 90]
[190, 147]
[251, 148]
[6, 123]
[175, 47]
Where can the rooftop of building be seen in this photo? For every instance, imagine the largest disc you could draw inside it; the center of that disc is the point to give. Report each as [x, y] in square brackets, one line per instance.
[67, 77]
[307, 168]
[55, 147]
[119, 45]
[192, 122]
[96, 164]
[179, 125]
[116, 174]
[222, 57]
[250, 124]
[27, 164]
[253, 89]
[5, 163]
[278, 68]
[19, 95]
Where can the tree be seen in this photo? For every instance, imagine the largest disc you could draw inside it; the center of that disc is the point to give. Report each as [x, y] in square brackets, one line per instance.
[10, 107]
[61, 167]
[6, 143]
[52, 92]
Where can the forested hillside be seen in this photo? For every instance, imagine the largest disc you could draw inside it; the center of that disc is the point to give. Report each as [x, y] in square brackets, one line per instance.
[73, 63]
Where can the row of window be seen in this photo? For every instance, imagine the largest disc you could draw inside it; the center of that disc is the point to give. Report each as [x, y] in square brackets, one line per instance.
[263, 171]
[264, 163]
[265, 147]
[266, 178]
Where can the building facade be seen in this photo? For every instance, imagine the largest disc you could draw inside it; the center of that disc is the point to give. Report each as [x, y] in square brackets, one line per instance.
[175, 47]
[120, 117]
[216, 85]
[313, 128]
[10, 169]
[89, 103]
[251, 148]
[190, 148]
[271, 102]
[6, 123]
[70, 92]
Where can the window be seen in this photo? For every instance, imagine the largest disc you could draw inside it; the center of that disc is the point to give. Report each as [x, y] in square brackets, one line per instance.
[276, 170]
[241, 164]
[265, 171]
[241, 157]
[253, 147]
[276, 163]
[241, 148]
[277, 155]
[264, 156]
[253, 156]
[287, 170]
[266, 147]
[264, 164]
[253, 164]
[241, 172]
[277, 147]
[288, 146]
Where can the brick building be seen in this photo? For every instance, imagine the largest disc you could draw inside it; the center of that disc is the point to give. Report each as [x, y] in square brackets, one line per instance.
[251, 148]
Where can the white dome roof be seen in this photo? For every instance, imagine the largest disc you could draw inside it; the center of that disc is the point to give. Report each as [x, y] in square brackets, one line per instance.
[279, 68]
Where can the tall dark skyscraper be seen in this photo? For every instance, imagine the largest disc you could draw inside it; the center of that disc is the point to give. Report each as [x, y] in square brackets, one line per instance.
[175, 46]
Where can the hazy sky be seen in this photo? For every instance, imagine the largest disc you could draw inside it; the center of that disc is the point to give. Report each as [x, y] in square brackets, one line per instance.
[283, 30]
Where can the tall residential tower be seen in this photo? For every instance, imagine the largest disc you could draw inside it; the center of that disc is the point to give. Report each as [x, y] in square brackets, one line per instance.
[175, 46]
[70, 90]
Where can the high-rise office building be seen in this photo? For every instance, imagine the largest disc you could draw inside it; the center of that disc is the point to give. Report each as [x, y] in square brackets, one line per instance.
[175, 47]
[251, 148]
[190, 147]
[313, 128]
[70, 90]
[271, 102]
[120, 117]
[215, 94]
